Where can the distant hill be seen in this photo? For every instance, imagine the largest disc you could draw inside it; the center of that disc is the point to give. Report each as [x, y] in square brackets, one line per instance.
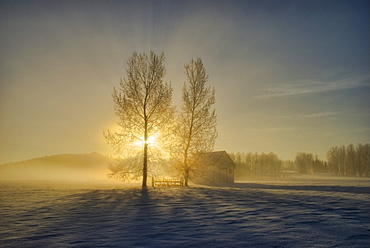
[85, 167]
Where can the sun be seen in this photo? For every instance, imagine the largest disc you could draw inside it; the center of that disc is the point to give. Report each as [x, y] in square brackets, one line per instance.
[151, 142]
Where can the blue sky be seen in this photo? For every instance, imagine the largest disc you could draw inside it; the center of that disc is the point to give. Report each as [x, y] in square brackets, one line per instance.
[289, 76]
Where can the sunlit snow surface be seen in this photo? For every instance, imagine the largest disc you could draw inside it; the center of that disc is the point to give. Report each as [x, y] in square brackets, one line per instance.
[309, 213]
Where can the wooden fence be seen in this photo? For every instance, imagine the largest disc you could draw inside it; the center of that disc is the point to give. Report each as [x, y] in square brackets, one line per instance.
[167, 182]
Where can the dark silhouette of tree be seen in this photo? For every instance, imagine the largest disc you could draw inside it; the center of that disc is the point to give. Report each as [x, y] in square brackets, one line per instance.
[350, 160]
[363, 160]
[254, 165]
[332, 156]
[319, 166]
[304, 162]
[196, 131]
[143, 105]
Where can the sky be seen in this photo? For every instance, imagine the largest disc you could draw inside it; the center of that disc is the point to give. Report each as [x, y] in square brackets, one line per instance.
[289, 76]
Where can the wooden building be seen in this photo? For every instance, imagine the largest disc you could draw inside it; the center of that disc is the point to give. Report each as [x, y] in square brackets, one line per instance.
[218, 167]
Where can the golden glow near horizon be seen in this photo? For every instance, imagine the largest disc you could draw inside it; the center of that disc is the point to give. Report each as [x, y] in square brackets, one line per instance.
[285, 82]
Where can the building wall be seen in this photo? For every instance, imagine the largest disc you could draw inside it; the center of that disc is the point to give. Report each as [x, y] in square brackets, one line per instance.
[223, 175]
[230, 175]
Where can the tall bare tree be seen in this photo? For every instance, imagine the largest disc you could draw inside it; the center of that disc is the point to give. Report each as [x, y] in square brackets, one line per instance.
[143, 105]
[197, 120]
[304, 162]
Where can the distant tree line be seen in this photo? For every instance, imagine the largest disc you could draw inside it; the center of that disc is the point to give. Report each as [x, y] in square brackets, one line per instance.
[342, 160]
[257, 165]
[349, 161]
[307, 163]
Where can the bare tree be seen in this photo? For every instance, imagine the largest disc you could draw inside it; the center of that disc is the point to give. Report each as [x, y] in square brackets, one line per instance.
[197, 120]
[332, 156]
[304, 162]
[350, 160]
[143, 105]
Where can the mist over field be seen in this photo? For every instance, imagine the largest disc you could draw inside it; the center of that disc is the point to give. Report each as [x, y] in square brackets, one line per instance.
[65, 167]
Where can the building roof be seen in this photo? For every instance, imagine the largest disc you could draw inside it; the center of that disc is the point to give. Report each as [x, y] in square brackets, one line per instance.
[218, 159]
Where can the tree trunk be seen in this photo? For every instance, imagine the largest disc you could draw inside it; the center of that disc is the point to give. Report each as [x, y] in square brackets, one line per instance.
[186, 169]
[186, 177]
[145, 165]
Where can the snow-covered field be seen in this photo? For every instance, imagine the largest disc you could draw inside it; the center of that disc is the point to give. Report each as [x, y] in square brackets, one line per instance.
[292, 213]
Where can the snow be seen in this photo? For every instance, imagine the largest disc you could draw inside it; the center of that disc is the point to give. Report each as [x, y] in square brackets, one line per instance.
[292, 213]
